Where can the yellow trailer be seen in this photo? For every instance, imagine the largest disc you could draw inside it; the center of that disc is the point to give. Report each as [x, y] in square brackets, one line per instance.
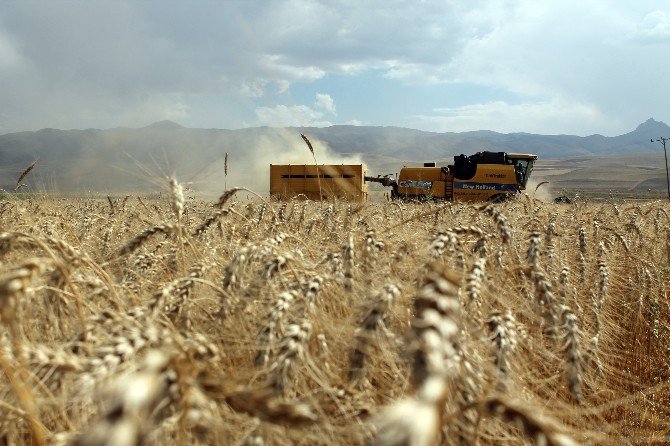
[314, 182]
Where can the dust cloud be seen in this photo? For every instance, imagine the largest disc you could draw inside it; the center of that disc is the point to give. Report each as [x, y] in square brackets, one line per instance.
[249, 165]
[540, 189]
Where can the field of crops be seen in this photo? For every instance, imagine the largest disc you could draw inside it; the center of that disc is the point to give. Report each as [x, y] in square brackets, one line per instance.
[129, 321]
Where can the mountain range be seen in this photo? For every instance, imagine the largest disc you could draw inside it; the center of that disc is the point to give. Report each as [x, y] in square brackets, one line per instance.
[132, 159]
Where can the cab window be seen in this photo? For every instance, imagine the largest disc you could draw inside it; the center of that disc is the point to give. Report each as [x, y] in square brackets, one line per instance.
[523, 168]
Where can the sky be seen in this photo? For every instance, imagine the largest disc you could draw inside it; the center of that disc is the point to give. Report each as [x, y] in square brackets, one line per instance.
[539, 66]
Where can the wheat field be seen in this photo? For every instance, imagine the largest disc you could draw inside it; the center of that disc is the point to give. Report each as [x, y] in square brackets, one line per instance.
[128, 321]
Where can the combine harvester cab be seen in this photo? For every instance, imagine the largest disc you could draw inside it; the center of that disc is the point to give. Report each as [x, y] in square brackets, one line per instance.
[490, 176]
[484, 176]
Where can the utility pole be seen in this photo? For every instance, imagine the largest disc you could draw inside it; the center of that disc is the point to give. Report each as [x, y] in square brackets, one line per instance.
[667, 175]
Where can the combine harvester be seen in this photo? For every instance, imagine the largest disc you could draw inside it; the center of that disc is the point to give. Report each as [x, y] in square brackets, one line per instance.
[484, 176]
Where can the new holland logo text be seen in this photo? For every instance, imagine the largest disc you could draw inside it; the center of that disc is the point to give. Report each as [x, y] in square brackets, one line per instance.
[485, 186]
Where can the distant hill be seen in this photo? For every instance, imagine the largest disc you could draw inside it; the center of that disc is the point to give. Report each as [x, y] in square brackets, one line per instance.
[131, 159]
[400, 142]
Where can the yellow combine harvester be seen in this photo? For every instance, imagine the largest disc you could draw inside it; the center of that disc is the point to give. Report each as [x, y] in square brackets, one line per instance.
[484, 176]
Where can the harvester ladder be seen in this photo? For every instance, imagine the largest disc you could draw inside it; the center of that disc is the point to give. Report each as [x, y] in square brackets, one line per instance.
[449, 189]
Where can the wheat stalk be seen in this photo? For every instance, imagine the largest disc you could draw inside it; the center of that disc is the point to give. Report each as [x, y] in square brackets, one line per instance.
[225, 171]
[541, 431]
[318, 175]
[24, 174]
[363, 337]
[416, 421]
[144, 236]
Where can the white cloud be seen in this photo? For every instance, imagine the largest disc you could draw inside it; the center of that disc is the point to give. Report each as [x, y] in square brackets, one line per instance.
[298, 115]
[9, 54]
[169, 108]
[294, 116]
[278, 66]
[572, 52]
[349, 36]
[418, 74]
[654, 28]
[549, 117]
[325, 102]
[253, 88]
[282, 85]
[73, 67]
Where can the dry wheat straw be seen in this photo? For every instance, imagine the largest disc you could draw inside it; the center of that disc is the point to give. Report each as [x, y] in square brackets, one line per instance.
[504, 337]
[582, 239]
[543, 432]
[111, 205]
[262, 403]
[364, 334]
[144, 236]
[23, 175]
[609, 323]
[15, 284]
[176, 198]
[473, 284]
[417, 420]
[291, 350]
[227, 195]
[500, 221]
[533, 255]
[572, 352]
[312, 289]
[202, 229]
[348, 262]
[130, 406]
[273, 325]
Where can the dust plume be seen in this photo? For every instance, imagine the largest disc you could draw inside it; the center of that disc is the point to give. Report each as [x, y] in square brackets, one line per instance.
[249, 165]
[540, 189]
